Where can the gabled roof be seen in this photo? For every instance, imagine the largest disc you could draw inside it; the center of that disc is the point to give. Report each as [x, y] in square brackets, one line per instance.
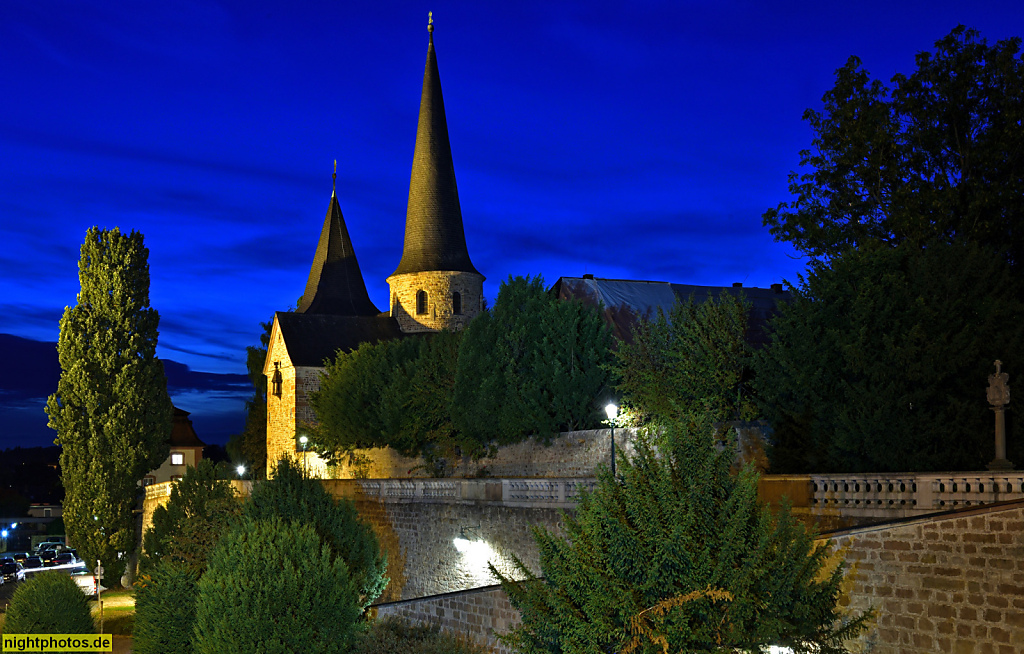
[312, 339]
[626, 301]
[434, 235]
[335, 285]
[182, 433]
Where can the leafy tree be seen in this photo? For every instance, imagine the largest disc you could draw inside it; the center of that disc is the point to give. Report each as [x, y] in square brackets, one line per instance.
[880, 363]
[677, 549]
[362, 397]
[694, 360]
[251, 444]
[275, 586]
[111, 411]
[933, 158]
[532, 365]
[49, 603]
[293, 497]
[200, 509]
[165, 609]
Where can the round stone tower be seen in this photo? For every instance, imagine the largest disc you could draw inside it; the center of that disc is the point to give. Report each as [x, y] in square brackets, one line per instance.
[435, 285]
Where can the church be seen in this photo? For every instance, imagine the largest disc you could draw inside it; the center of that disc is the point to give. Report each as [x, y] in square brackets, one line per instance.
[434, 287]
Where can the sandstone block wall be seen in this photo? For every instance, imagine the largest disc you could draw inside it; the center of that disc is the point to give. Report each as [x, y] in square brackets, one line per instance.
[439, 286]
[479, 614]
[951, 583]
[424, 558]
[571, 454]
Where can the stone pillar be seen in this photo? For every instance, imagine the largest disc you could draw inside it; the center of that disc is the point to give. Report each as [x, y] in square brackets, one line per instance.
[999, 397]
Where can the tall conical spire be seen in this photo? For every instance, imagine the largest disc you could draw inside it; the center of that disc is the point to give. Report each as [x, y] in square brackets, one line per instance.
[434, 235]
[335, 284]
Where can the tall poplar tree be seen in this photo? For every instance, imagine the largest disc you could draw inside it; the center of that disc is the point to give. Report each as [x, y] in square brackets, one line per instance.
[111, 411]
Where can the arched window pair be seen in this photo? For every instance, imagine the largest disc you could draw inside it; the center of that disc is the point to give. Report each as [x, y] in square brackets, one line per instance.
[421, 303]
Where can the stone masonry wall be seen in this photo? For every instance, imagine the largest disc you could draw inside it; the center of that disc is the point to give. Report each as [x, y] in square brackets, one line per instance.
[948, 583]
[424, 558]
[480, 614]
[439, 286]
[571, 454]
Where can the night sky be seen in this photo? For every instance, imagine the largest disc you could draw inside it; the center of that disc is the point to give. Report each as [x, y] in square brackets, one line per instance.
[628, 140]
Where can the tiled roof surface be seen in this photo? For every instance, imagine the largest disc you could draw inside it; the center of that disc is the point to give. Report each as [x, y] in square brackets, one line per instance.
[626, 301]
[313, 338]
[335, 284]
[434, 234]
[182, 433]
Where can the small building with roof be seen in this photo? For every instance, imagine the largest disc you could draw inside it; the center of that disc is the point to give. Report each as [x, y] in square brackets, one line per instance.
[186, 450]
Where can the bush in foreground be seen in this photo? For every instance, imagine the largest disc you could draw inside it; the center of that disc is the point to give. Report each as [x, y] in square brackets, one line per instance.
[49, 603]
[165, 607]
[275, 587]
[393, 634]
[676, 554]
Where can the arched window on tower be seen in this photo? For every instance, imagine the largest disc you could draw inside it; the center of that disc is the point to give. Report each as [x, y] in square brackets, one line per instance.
[457, 303]
[421, 302]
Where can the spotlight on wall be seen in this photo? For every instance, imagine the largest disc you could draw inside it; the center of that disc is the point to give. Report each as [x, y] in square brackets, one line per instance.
[468, 538]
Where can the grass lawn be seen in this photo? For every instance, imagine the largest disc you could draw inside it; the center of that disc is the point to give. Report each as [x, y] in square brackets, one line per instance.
[118, 612]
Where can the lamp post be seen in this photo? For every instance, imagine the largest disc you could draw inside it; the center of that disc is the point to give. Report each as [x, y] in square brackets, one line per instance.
[240, 470]
[612, 411]
[302, 441]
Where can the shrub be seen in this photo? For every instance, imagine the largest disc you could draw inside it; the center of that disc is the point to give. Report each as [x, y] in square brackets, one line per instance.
[186, 529]
[165, 608]
[274, 586]
[49, 603]
[291, 496]
[678, 551]
[393, 634]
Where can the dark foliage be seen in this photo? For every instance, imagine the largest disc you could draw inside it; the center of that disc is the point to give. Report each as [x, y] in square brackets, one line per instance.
[935, 157]
[881, 361]
[165, 610]
[292, 497]
[392, 635]
[274, 586]
[49, 603]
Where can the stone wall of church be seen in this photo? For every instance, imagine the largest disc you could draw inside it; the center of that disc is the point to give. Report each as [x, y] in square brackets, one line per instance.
[439, 287]
[285, 414]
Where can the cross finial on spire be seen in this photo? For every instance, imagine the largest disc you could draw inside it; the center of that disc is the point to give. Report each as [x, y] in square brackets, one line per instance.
[334, 179]
[430, 22]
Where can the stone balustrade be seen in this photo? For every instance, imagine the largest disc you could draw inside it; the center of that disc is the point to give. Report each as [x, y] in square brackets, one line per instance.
[539, 493]
[909, 494]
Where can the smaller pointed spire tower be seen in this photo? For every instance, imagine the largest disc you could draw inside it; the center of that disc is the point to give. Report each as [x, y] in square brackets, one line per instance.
[435, 286]
[335, 285]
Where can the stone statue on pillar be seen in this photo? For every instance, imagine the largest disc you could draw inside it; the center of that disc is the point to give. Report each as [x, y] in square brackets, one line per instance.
[999, 397]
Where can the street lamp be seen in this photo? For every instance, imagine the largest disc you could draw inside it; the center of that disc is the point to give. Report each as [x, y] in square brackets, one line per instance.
[240, 470]
[4, 535]
[611, 410]
[302, 441]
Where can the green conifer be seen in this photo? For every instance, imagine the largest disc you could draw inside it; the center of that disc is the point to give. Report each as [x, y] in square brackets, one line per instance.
[111, 411]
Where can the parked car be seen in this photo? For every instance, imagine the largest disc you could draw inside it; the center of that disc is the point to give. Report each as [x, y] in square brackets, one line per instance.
[33, 562]
[6, 559]
[87, 582]
[65, 558]
[47, 557]
[20, 556]
[12, 572]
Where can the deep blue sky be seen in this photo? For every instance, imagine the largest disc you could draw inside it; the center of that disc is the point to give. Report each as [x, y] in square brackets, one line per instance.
[631, 140]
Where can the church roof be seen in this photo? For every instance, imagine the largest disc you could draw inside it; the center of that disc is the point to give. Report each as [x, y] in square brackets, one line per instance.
[312, 339]
[335, 285]
[626, 301]
[182, 432]
[434, 235]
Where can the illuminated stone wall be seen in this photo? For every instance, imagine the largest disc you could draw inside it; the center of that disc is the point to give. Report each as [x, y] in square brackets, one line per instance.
[439, 287]
[944, 583]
